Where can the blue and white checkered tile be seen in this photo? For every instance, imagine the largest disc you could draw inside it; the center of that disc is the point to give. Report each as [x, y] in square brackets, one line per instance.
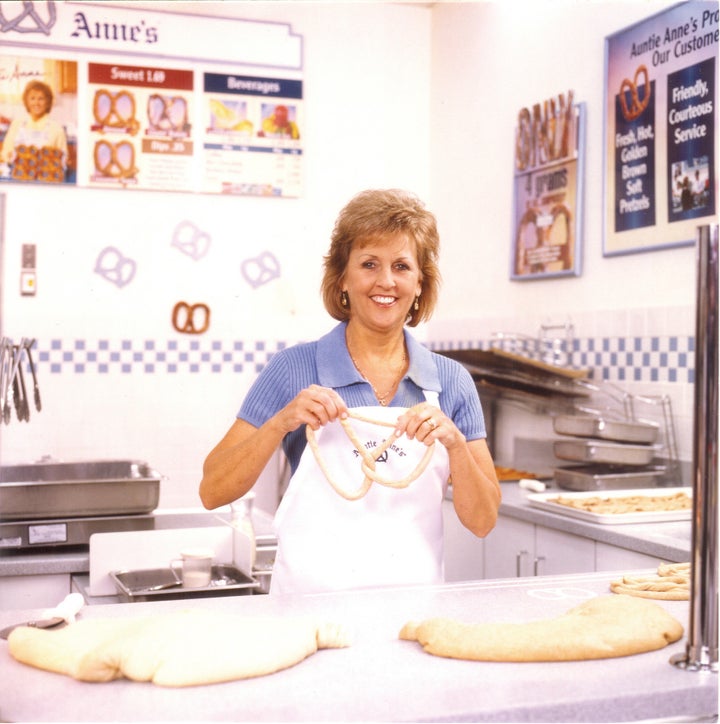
[614, 359]
[151, 356]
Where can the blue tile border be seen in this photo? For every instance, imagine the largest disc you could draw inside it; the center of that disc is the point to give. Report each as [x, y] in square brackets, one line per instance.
[614, 359]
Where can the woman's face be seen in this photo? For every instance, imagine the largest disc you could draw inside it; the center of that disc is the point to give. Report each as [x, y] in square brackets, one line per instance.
[382, 279]
[37, 103]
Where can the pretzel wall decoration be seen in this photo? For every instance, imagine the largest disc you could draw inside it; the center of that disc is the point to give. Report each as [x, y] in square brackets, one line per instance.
[184, 318]
[368, 460]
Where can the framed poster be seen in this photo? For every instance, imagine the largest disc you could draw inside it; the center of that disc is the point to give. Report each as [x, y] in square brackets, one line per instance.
[547, 207]
[660, 127]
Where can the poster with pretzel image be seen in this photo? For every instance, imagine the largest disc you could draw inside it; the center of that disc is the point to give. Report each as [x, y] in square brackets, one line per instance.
[140, 132]
[660, 129]
[549, 158]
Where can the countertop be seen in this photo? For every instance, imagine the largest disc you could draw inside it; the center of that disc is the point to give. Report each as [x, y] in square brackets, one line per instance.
[670, 541]
[380, 678]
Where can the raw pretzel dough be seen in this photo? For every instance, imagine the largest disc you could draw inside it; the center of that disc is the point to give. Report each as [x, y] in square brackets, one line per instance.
[672, 583]
[603, 627]
[186, 648]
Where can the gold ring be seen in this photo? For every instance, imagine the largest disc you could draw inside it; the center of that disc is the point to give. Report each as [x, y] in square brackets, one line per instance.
[431, 423]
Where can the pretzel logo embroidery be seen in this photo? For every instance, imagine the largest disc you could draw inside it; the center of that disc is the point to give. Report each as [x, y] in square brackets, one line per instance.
[184, 318]
[261, 269]
[29, 11]
[112, 265]
[190, 240]
[637, 104]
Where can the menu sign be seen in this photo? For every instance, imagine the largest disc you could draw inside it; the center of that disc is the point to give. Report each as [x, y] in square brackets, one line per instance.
[140, 129]
[660, 127]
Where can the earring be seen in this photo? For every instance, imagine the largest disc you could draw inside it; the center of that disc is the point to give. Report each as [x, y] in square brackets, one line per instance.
[416, 306]
[344, 298]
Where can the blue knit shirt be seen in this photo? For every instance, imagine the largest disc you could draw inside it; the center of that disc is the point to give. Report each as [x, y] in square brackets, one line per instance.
[327, 362]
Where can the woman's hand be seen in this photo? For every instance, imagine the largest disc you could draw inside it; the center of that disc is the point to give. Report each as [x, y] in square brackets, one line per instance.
[314, 406]
[427, 423]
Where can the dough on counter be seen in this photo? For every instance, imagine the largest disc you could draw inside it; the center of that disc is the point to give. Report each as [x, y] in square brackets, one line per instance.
[603, 627]
[185, 648]
[672, 583]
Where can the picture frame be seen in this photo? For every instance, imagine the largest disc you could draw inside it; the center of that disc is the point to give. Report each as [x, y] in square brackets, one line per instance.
[660, 121]
[548, 191]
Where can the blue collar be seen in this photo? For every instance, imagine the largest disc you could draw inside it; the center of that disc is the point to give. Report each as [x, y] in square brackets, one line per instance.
[336, 369]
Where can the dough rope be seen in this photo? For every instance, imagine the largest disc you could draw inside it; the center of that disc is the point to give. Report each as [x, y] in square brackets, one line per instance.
[672, 583]
[368, 460]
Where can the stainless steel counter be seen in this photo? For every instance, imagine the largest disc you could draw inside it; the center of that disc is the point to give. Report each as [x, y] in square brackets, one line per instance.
[380, 678]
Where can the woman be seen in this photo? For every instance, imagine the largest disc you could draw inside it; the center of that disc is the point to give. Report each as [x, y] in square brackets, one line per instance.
[36, 144]
[380, 275]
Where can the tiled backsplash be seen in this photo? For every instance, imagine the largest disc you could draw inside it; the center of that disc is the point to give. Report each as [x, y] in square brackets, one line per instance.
[614, 359]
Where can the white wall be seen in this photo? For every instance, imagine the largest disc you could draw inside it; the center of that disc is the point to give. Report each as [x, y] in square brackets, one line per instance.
[411, 95]
[366, 95]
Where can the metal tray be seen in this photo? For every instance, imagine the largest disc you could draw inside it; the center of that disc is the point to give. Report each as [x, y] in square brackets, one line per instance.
[606, 477]
[39, 491]
[545, 502]
[592, 451]
[600, 427]
[164, 584]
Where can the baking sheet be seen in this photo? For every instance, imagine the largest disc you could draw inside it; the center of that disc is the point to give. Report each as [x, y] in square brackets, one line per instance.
[544, 501]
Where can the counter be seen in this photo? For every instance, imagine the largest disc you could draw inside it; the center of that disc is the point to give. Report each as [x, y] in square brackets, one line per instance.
[380, 678]
[668, 541]
[77, 560]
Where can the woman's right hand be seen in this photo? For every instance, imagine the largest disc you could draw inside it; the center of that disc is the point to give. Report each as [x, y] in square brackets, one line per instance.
[314, 406]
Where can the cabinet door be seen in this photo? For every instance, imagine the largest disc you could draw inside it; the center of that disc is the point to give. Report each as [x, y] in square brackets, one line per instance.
[463, 549]
[510, 549]
[557, 553]
[614, 558]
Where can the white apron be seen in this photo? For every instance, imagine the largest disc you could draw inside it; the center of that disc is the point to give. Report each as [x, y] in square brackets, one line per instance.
[373, 534]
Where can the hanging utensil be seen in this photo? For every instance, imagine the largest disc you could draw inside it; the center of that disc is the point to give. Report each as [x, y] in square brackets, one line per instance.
[36, 387]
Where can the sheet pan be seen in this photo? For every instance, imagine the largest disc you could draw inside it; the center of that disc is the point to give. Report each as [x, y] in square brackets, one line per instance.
[544, 502]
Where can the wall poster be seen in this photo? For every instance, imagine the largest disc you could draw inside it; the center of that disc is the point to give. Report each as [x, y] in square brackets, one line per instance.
[660, 129]
[548, 180]
[194, 121]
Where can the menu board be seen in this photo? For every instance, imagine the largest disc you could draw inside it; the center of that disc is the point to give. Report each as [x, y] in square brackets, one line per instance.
[140, 131]
[251, 142]
[166, 117]
[660, 128]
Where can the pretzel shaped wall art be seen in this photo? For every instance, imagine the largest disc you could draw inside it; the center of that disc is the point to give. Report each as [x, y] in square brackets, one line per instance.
[115, 160]
[184, 318]
[115, 110]
[367, 459]
[637, 104]
[114, 266]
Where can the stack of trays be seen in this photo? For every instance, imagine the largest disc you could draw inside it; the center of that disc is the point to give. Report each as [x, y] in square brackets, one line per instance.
[615, 454]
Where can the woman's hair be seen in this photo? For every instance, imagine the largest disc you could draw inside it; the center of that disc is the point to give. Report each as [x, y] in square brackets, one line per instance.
[373, 214]
[44, 88]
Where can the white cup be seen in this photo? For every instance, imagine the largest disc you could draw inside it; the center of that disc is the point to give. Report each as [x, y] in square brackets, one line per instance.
[196, 566]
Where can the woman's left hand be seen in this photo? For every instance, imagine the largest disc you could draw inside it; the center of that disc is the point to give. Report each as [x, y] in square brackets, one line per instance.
[427, 423]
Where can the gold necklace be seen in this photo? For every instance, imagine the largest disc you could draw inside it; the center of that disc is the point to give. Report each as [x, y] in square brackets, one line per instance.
[382, 399]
